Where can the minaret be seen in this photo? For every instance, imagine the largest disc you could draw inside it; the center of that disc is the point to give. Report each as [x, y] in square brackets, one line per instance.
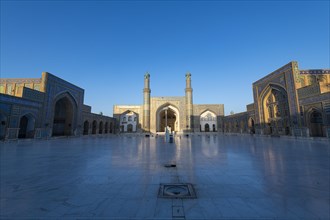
[189, 103]
[146, 103]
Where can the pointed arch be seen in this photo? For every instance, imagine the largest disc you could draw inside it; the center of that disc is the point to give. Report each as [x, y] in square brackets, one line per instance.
[206, 127]
[274, 109]
[86, 127]
[251, 125]
[173, 122]
[64, 114]
[67, 94]
[101, 127]
[27, 126]
[111, 128]
[106, 127]
[210, 118]
[94, 127]
[315, 122]
[129, 128]
[207, 110]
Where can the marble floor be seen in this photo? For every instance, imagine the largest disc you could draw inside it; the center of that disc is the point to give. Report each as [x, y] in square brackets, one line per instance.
[118, 177]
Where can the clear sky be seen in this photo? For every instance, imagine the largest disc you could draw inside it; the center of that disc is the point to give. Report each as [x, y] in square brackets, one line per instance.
[106, 47]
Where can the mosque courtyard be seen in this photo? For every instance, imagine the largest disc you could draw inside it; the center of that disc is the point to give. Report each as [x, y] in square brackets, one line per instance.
[119, 177]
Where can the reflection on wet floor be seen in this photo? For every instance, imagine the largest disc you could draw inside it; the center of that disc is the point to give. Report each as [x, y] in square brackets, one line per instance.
[120, 176]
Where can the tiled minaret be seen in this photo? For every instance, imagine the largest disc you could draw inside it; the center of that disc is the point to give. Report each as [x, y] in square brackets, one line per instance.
[146, 103]
[189, 103]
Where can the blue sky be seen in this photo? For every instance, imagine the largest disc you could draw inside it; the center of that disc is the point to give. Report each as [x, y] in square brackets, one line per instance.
[106, 47]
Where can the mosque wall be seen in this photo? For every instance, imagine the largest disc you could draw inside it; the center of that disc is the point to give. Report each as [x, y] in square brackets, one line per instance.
[44, 108]
[286, 102]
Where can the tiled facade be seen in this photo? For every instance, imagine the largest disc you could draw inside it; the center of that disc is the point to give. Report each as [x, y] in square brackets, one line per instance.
[46, 107]
[287, 101]
[179, 112]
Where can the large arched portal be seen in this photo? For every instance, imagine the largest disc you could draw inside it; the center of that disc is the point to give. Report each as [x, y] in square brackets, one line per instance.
[168, 116]
[276, 113]
[63, 117]
[26, 126]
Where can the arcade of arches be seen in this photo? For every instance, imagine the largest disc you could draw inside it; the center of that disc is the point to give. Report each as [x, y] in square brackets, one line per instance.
[287, 101]
[45, 107]
[97, 127]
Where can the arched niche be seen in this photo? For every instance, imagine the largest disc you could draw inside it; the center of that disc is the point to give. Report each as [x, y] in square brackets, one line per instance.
[168, 115]
[208, 121]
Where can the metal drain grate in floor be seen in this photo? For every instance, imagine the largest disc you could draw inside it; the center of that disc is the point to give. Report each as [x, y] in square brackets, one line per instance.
[177, 191]
[169, 165]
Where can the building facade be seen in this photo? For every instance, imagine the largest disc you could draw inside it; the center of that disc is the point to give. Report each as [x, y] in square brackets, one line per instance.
[47, 107]
[289, 102]
[178, 114]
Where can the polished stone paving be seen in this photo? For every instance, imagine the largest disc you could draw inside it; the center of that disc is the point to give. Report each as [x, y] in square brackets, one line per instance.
[118, 177]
